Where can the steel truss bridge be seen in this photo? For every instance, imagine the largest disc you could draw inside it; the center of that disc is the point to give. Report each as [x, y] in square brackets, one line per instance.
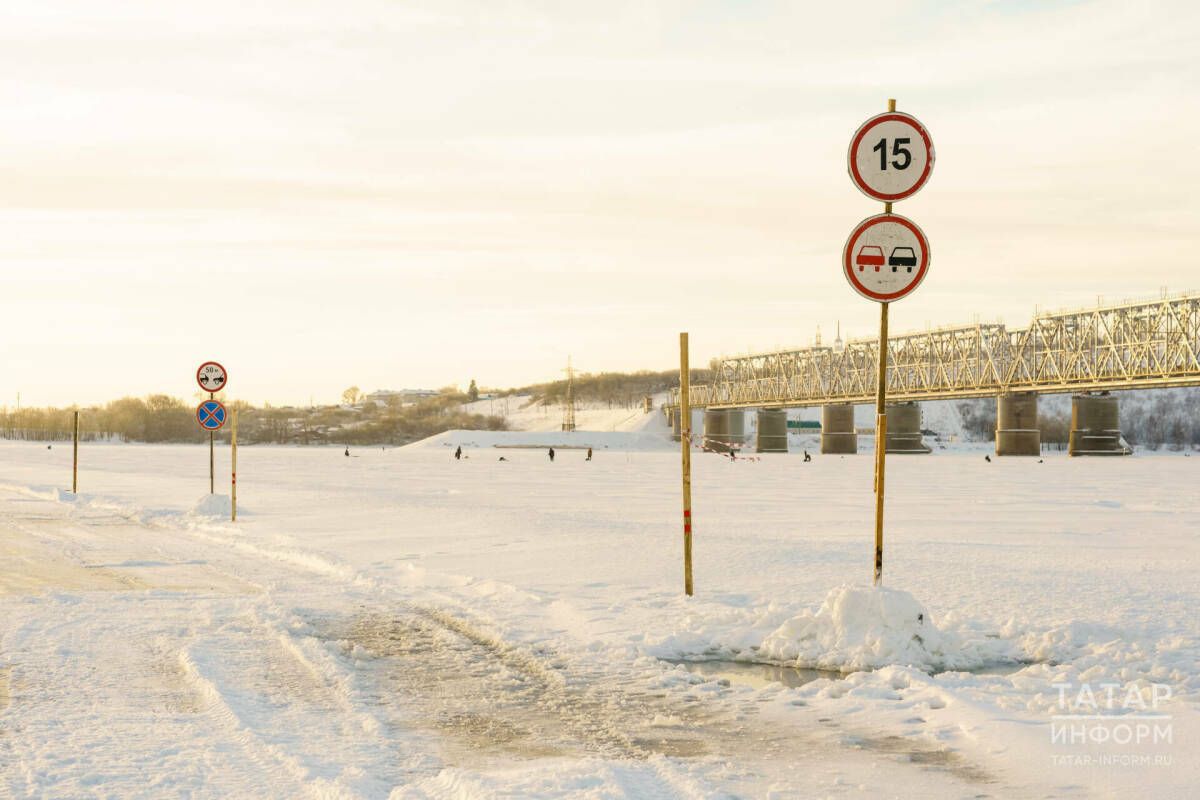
[1140, 345]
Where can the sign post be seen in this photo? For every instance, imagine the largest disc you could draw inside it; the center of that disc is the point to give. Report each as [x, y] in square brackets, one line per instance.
[685, 436]
[887, 256]
[212, 377]
[211, 414]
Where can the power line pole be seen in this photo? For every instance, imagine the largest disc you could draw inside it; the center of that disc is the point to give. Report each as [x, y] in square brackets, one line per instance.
[569, 401]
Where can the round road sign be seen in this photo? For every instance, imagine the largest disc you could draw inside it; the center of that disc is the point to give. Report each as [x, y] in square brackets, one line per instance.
[886, 257]
[211, 415]
[211, 376]
[890, 156]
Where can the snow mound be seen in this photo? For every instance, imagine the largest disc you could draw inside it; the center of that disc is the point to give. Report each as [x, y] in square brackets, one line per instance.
[860, 628]
[213, 505]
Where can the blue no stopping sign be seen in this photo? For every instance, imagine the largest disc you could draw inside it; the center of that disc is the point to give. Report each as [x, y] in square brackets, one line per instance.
[211, 415]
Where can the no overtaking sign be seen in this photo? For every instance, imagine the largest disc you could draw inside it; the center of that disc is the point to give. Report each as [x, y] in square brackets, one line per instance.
[886, 257]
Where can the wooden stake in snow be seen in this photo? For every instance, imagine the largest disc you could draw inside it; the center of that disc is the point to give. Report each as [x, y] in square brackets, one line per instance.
[233, 458]
[685, 436]
[75, 458]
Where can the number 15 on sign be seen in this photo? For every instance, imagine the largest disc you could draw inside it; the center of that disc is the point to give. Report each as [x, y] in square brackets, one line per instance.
[890, 157]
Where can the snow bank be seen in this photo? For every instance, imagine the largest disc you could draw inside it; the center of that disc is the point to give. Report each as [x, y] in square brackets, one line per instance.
[859, 628]
[213, 505]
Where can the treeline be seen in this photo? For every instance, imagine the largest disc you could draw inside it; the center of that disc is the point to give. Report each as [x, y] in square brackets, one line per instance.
[615, 389]
[161, 418]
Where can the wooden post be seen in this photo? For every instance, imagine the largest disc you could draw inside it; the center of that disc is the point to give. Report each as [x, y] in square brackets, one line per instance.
[75, 458]
[685, 437]
[233, 457]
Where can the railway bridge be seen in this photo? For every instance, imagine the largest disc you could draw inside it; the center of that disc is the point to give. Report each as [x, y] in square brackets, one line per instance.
[1085, 352]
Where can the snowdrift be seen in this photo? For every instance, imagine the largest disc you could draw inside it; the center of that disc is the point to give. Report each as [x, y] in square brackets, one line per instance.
[861, 628]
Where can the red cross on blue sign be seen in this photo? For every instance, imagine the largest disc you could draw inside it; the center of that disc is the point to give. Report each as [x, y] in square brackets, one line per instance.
[211, 415]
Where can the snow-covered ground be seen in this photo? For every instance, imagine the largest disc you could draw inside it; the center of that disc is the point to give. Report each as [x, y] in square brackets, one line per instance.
[401, 624]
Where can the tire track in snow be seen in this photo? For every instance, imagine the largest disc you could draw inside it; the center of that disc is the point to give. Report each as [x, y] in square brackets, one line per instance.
[510, 700]
[565, 710]
[272, 691]
[492, 695]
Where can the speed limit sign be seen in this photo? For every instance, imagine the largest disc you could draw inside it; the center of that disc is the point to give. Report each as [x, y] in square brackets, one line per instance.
[890, 157]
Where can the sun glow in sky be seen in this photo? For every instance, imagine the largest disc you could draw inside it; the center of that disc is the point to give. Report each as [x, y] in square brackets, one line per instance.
[406, 194]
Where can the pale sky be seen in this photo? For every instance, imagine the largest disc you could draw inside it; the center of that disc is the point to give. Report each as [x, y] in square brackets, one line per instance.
[395, 194]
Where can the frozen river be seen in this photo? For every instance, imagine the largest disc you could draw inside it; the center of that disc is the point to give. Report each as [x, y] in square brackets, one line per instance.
[399, 624]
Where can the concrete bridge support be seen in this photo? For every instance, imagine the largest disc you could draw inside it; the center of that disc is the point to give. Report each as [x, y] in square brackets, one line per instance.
[1017, 432]
[676, 423]
[724, 429]
[772, 431]
[837, 429]
[1095, 429]
[904, 429]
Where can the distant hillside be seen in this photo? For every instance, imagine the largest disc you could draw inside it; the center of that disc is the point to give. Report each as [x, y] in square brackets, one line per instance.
[614, 389]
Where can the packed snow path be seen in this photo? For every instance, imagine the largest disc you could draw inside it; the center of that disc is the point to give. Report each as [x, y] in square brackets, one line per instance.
[148, 651]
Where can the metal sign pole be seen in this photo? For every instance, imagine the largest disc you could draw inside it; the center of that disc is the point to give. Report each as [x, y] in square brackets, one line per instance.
[685, 436]
[887, 256]
[880, 439]
[211, 464]
[881, 422]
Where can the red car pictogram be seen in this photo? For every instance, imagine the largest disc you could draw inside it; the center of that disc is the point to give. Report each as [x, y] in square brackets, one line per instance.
[869, 256]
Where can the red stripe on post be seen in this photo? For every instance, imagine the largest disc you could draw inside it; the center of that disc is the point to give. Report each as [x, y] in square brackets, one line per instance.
[687, 527]
[687, 512]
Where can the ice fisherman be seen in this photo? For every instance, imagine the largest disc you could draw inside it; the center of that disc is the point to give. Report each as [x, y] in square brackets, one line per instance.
[551, 454]
[807, 457]
[589, 455]
[347, 452]
[458, 453]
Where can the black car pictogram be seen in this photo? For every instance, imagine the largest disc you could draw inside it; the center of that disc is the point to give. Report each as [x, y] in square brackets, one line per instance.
[902, 257]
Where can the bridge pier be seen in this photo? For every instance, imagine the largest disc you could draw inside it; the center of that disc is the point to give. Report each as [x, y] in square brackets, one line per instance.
[1095, 428]
[904, 429]
[1017, 432]
[772, 431]
[676, 423]
[724, 429]
[838, 435]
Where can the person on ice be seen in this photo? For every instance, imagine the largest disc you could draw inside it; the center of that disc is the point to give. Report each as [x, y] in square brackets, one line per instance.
[807, 457]
[458, 453]
[551, 454]
[589, 455]
[347, 452]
